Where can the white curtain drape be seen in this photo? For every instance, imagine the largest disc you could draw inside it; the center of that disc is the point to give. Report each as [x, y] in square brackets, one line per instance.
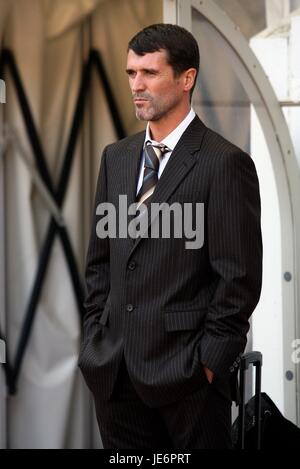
[42, 414]
[49, 40]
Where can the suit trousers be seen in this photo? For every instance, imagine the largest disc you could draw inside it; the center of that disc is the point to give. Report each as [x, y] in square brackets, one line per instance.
[201, 420]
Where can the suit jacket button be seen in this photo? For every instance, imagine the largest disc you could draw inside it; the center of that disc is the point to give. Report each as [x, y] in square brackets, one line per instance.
[129, 308]
[132, 265]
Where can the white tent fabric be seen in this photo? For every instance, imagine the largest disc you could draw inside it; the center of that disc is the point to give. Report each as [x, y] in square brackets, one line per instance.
[49, 40]
[40, 415]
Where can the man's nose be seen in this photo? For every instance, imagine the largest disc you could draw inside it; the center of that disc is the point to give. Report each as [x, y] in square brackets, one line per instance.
[138, 83]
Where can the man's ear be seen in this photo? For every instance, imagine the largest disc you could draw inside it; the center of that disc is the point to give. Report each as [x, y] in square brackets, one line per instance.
[189, 78]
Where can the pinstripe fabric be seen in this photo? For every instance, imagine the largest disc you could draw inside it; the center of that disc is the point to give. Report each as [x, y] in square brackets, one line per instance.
[197, 303]
[202, 420]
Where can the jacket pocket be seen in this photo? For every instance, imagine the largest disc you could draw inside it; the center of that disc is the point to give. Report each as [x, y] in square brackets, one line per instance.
[184, 320]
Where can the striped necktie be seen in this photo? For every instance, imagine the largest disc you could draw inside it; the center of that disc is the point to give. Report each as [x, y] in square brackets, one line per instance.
[153, 156]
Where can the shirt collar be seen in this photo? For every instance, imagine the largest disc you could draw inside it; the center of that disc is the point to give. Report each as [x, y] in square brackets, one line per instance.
[172, 139]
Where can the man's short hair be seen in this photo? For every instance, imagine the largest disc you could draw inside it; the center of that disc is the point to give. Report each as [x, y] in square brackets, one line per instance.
[181, 46]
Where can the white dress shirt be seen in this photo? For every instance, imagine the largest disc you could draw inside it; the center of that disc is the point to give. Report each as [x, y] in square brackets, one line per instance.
[170, 141]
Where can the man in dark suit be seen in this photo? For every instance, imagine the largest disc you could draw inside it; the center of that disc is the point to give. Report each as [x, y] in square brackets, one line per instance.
[165, 324]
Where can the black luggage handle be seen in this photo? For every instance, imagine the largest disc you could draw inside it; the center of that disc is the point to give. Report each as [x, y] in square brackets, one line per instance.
[255, 359]
[251, 358]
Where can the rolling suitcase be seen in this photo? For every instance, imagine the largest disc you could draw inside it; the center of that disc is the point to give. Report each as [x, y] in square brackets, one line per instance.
[260, 424]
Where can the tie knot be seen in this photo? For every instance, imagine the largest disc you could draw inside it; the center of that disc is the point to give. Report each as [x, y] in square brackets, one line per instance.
[162, 148]
[159, 148]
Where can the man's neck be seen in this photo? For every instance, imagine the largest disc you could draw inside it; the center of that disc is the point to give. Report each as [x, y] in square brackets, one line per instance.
[161, 128]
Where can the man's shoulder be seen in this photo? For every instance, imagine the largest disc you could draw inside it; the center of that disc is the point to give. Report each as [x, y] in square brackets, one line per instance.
[125, 142]
[218, 142]
[213, 143]
[224, 151]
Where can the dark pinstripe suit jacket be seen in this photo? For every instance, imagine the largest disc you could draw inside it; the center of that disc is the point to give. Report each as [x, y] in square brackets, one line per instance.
[169, 308]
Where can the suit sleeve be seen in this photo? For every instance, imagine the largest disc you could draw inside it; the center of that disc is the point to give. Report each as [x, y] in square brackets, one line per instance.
[235, 254]
[97, 271]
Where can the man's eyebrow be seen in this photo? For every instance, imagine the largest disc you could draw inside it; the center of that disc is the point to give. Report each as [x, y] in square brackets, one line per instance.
[151, 70]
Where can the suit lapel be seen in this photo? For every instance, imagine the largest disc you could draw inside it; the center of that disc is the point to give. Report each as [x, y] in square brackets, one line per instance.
[131, 166]
[130, 172]
[180, 163]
